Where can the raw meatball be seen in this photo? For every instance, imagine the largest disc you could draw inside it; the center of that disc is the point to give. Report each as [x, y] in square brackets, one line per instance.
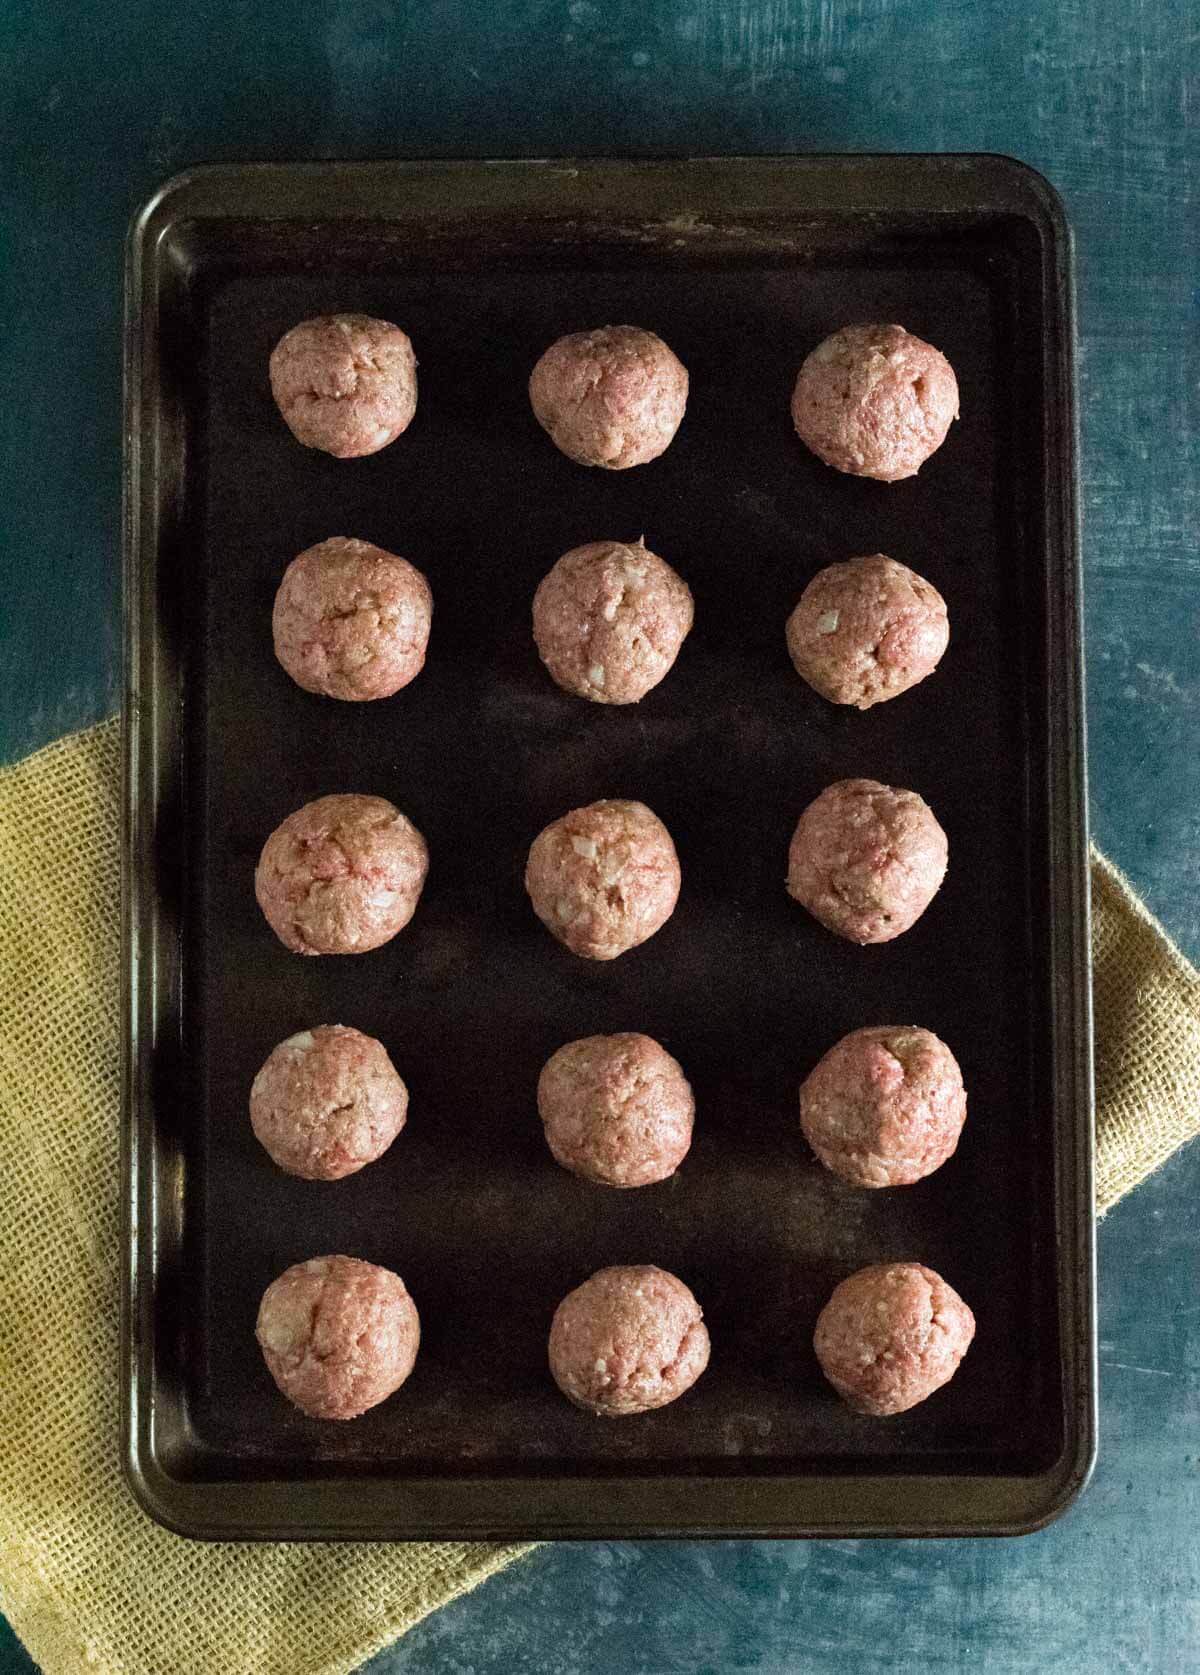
[612, 397]
[609, 620]
[866, 859]
[617, 1109]
[351, 620]
[867, 630]
[345, 383]
[338, 1335]
[885, 1106]
[603, 878]
[875, 401]
[341, 876]
[891, 1335]
[626, 1341]
[326, 1102]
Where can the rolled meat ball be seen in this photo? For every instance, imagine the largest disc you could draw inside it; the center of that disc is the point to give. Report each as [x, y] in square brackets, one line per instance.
[866, 859]
[891, 1335]
[612, 397]
[341, 875]
[327, 1102]
[351, 620]
[338, 1335]
[345, 383]
[626, 1341]
[617, 1109]
[866, 630]
[609, 620]
[875, 401]
[885, 1106]
[603, 878]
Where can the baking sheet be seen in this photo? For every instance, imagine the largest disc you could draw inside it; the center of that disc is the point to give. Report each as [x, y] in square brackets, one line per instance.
[742, 267]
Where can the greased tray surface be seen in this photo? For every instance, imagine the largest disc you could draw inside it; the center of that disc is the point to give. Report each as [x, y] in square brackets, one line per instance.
[742, 267]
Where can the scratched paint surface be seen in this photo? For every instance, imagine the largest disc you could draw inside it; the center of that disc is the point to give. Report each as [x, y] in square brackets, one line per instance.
[99, 102]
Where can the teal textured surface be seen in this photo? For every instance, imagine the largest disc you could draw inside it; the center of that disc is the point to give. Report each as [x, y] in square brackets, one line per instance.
[100, 102]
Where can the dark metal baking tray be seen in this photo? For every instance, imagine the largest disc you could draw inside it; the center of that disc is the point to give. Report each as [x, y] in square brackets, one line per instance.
[742, 265]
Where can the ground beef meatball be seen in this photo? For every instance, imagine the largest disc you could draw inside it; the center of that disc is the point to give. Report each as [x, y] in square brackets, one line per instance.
[327, 1102]
[866, 859]
[609, 620]
[341, 876]
[891, 1335]
[617, 1109]
[885, 1106]
[345, 383]
[612, 397]
[875, 401]
[866, 630]
[603, 878]
[338, 1335]
[351, 620]
[626, 1341]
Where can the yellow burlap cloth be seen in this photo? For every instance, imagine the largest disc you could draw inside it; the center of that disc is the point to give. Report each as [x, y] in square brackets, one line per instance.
[88, 1582]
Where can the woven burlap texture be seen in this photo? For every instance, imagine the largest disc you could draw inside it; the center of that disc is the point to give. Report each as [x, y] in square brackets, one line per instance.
[1146, 997]
[88, 1582]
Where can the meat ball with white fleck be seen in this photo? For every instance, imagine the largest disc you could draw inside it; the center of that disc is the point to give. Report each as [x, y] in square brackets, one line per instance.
[338, 1335]
[867, 630]
[327, 1102]
[346, 384]
[875, 401]
[352, 620]
[891, 1335]
[603, 878]
[617, 1109]
[885, 1106]
[341, 875]
[866, 859]
[627, 1340]
[609, 620]
[613, 397]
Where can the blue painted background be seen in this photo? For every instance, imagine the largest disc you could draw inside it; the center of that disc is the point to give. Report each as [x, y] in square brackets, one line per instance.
[100, 99]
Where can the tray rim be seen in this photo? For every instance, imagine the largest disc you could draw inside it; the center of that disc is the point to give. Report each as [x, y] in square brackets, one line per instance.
[752, 1504]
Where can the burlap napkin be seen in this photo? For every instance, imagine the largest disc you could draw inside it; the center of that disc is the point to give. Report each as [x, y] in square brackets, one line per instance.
[87, 1581]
